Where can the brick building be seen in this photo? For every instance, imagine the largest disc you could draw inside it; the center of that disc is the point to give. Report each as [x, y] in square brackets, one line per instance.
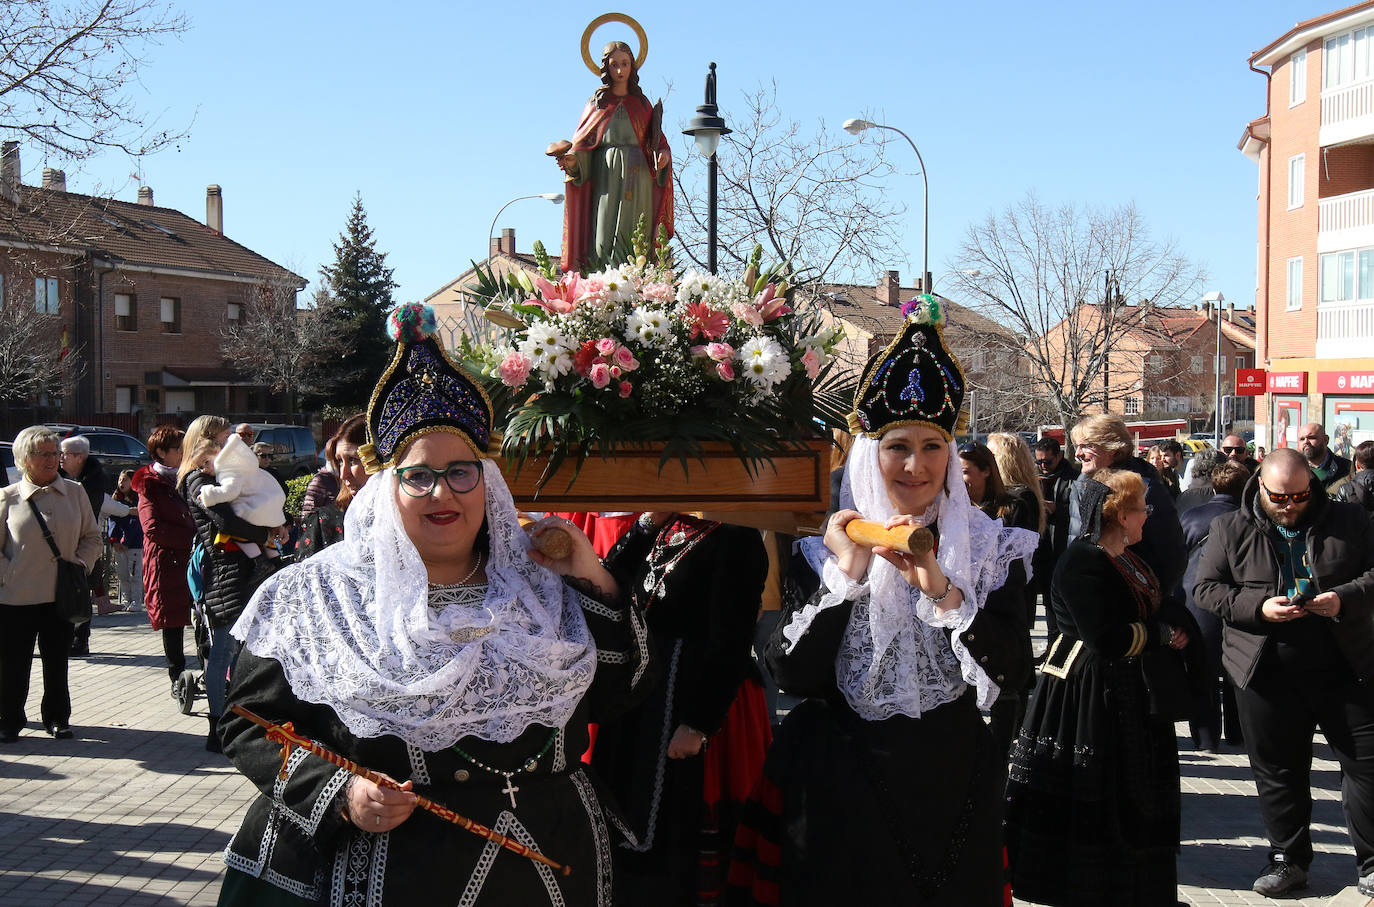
[142, 293]
[1314, 147]
[1163, 361]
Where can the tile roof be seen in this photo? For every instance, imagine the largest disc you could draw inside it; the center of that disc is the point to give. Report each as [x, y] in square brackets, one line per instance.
[859, 305]
[129, 233]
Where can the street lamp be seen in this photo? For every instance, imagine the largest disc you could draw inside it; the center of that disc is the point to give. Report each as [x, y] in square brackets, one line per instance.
[856, 126]
[1216, 299]
[707, 127]
[555, 197]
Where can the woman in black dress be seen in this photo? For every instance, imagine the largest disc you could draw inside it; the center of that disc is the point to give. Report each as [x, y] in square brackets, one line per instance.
[1093, 796]
[699, 583]
[433, 645]
[885, 786]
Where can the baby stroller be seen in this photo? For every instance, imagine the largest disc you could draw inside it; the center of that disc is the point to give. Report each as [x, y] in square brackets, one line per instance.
[191, 683]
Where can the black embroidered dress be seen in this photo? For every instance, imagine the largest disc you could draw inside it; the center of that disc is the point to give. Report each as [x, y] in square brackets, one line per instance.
[700, 583]
[295, 837]
[1093, 795]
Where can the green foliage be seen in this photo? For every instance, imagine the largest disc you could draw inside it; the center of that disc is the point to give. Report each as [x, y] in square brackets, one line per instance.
[360, 284]
[295, 496]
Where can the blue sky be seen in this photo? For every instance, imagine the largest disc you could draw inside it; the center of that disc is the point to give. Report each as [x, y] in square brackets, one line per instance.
[438, 113]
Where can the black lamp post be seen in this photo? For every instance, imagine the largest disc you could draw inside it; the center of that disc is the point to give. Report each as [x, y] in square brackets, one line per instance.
[707, 127]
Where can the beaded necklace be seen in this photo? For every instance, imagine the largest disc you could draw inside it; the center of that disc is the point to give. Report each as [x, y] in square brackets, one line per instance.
[530, 765]
[678, 536]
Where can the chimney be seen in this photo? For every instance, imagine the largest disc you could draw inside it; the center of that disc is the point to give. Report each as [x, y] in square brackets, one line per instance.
[55, 180]
[890, 289]
[1207, 308]
[145, 195]
[508, 240]
[214, 208]
[495, 249]
[9, 171]
[1231, 312]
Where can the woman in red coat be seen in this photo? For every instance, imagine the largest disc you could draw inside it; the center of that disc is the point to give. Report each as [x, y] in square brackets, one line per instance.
[168, 534]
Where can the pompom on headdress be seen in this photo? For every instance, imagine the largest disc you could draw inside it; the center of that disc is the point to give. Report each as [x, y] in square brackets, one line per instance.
[422, 391]
[916, 380]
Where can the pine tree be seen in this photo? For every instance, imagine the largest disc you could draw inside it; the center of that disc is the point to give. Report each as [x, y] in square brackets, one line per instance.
[360, 284]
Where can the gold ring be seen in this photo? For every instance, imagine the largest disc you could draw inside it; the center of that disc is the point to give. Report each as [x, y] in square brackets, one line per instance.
[624, 20]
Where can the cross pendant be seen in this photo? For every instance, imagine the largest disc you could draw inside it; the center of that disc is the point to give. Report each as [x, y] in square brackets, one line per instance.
[510, 789]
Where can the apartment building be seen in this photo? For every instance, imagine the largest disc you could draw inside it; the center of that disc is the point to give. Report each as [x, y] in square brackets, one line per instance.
[1314, 148]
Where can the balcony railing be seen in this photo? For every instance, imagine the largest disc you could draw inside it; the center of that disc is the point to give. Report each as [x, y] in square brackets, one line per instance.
[1347, 113]
[1346, 212]
[1345, 328]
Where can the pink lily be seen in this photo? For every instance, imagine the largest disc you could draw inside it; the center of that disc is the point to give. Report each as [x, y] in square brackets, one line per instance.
[558, 298]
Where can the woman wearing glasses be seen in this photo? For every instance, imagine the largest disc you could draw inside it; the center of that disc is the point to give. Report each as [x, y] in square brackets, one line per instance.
[1093, 795]
[434, 645]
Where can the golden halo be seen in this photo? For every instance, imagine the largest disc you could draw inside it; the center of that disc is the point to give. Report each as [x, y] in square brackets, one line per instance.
[624, 20]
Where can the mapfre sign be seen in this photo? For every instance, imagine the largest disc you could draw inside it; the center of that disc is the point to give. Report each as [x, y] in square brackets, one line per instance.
[1287, 382]
[1250, 382]
[1345, 382]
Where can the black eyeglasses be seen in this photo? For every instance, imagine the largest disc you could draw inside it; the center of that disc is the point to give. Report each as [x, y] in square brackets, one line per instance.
[1297, 497]
[1233, 449]
[461, 475]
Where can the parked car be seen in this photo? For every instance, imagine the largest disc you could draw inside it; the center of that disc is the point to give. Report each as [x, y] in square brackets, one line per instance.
[116, 450]
[294, 451]
[12, 474]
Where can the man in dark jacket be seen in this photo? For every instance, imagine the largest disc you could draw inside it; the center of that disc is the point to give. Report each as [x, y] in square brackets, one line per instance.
[1358, 487]
[1057, 475]
[1199, 490]
[1292, 576]
[1228, 480]
[79, 466]
[1237, 451]
[1325, 465]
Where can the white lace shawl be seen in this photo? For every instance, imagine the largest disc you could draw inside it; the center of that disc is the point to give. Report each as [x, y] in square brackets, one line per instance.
[894, 658]
[353, 629]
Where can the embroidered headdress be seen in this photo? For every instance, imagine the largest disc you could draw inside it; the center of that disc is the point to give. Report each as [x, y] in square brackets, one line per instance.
[421, 392]
[915, 381]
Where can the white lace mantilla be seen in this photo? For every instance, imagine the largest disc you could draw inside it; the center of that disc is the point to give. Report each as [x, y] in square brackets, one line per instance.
[353, 629]
[894, 658]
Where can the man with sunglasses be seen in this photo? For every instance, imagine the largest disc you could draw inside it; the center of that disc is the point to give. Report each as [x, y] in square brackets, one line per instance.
[1237, 451]
[1291, 574]
[1057, 475]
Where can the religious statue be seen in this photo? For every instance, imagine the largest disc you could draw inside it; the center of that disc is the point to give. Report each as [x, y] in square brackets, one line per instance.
[618, 166]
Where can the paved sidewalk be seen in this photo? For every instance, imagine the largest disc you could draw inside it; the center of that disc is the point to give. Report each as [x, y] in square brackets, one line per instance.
[135, 812]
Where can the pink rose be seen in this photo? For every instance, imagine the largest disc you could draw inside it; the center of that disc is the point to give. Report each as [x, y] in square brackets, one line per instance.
[812, 361]
[600, 374]
[605, 346]
[515, 369]
[726, 370]
[625, 389]
[659, 292]
[626, 359]
[720, 352]
[615, 371]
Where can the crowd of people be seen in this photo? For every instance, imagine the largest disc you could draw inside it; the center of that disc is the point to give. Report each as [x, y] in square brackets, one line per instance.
[604, 704]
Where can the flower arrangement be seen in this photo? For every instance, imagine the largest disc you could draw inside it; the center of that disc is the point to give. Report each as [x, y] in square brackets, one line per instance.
[640, 353]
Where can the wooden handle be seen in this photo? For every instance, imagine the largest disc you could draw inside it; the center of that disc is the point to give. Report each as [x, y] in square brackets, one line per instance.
[916, 540]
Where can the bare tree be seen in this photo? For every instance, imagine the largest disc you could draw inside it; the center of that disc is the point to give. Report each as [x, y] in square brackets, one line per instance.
[813, 200]
[37, 356]
[285, 347]
[1080, 286]
[66, 70]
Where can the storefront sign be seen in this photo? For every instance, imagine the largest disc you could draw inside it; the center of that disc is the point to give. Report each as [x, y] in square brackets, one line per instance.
[1250, 382]
[1287, 382]
[1345, 382]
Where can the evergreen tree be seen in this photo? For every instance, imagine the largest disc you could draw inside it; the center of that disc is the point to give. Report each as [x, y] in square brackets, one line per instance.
[360, 285]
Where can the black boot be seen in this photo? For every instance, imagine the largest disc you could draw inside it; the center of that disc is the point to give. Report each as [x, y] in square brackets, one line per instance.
[212, 738]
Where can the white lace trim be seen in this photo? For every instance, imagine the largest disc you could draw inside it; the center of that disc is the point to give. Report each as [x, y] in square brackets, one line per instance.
[506, 824]
[599, 834]
[894, 658]
[645, 843]
[353, 629]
